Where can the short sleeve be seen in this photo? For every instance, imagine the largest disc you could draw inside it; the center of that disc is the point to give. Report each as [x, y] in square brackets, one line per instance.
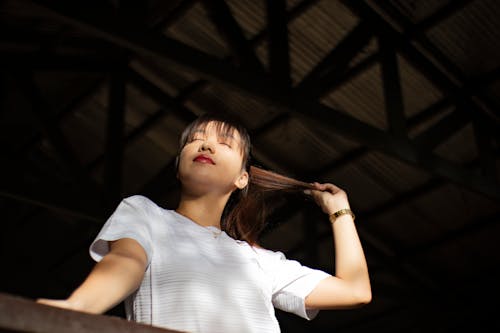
[131, 219]
[292, 282]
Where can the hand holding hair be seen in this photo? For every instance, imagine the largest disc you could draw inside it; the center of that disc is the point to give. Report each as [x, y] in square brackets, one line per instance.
[329, 197]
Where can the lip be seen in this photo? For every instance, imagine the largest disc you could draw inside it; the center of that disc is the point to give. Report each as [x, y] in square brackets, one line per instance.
[203, 159]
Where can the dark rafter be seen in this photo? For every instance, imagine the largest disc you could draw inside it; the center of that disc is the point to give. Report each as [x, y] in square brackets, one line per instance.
[393, 95]
[81, 96]
[229, 28]
[432, 72]
[279, 56]
[165, 13]
[165, 49]
[15, 61]
[50, 128]
[442, 130]
[484, 142]
[335, 64]
[161, 14]
[290, 16]
[417, 31]
[114, 136]
[439, 16]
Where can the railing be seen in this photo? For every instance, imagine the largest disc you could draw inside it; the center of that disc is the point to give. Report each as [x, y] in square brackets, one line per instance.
[19, 314]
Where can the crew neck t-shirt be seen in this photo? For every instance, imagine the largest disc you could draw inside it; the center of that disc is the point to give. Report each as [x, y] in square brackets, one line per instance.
[199, 279]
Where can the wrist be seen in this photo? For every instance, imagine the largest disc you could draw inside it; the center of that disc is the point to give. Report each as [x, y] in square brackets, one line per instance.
[344, 204]
[340, 213]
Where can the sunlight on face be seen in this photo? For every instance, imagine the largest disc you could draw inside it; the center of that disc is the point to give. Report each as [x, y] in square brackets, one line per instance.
[222, 146]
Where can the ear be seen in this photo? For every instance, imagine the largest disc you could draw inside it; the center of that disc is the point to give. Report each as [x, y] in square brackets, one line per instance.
[242, 180]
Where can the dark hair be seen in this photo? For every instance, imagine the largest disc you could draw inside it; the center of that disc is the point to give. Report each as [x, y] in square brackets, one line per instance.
[245, 213]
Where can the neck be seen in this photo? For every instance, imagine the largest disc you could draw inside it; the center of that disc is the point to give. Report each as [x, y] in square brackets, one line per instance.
[205, 210]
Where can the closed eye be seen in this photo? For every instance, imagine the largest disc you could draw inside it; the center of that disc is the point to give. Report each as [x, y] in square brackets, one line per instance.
[195, 139]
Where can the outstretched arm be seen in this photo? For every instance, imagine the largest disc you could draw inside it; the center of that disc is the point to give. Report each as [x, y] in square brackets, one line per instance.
[112, 279]
[350, 287]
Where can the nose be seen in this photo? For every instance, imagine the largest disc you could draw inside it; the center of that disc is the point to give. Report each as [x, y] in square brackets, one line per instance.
[207, 146]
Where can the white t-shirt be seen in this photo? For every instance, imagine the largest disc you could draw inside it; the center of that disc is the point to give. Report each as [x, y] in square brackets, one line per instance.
[199, 279]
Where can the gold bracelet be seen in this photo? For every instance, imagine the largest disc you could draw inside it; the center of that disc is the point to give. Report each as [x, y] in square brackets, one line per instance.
[340, 213]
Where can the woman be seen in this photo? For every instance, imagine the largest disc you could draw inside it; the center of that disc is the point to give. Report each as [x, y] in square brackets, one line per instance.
[198, 268]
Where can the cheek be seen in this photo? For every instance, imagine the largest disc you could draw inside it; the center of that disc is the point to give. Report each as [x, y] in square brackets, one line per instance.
[181, 161]
[234, 161]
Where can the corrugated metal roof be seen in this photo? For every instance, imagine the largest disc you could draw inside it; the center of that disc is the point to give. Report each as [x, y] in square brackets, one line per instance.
[418, 92]
[251, 16]
[470, 37]
[418, 10]
[315, 33]
[196, 30]
[460, 147]
[362, 98]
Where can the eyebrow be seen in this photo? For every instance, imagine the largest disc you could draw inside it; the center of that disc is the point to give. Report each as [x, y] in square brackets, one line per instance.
[222, 134]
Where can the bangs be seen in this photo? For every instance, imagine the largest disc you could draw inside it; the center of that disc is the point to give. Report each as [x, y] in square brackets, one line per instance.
[223, 127]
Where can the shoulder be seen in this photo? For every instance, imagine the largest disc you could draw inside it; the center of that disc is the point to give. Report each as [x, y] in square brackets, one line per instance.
[269, 256]
[138, 201]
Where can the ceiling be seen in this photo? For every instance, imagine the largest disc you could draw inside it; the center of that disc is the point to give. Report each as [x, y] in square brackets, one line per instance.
[397, 102]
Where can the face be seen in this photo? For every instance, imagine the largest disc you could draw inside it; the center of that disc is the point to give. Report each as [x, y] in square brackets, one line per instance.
[212, 161]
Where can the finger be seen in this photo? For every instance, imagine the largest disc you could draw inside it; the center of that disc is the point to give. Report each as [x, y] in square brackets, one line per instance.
[331, 188]
[318, 186]
[316, 195]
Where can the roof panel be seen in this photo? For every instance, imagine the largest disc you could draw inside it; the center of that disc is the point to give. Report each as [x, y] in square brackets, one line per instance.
[251, 15]
[364, 191]
[172, 80]
[315, 33]
[469, 37]
[196, 30]
[416, 11]
[85, 127]
[403, 227]
[251, 111]
[460, 147]
[393, 174]
[361, 97]
[418, 91]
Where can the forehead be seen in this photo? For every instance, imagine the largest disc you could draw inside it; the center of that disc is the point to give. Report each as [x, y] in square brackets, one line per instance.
[217, 127]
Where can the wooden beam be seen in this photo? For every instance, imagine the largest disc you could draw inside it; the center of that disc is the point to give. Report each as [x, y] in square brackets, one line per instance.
[164, 49]
[229, 28]
[484, 143]
[404, 45]
[318, 81]
[442, 130]
[114, 136]
[393, 94]
[19, 61]
[21, 314]
[279, 53]
[50, 127]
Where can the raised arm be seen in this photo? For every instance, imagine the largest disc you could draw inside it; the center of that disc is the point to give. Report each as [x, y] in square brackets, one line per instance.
[112, 279]
[350, 287]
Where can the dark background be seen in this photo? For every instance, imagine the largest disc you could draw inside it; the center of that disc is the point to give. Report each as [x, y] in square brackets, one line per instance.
[397, 102]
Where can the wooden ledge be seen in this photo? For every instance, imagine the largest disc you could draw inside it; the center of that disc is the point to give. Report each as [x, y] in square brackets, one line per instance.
[18, 314]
